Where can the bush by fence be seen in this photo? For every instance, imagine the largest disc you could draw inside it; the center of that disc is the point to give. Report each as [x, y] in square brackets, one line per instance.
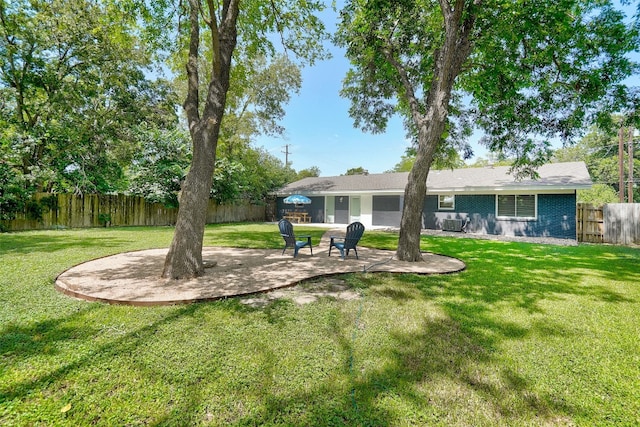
[616, 223]
[96, 210]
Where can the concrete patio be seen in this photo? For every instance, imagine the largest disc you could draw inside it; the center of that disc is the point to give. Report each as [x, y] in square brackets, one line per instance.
[133, 278]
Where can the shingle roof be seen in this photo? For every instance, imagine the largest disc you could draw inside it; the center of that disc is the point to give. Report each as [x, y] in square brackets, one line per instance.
[557, 176]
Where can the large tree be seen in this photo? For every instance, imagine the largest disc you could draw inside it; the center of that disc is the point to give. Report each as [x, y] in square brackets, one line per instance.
[222, 26]
[258, 91]
[530, 71]
[73, 89]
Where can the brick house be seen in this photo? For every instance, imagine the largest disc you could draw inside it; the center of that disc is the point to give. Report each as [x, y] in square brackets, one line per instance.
[477, 200]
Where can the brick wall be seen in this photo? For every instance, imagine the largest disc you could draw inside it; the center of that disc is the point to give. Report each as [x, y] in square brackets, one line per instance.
[556, 216]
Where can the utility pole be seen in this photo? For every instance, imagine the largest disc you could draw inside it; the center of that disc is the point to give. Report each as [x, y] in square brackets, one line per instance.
[621, 164]
[286, 156]
[630, 182]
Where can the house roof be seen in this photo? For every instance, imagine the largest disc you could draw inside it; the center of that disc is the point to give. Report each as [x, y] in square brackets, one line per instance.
[552, 176]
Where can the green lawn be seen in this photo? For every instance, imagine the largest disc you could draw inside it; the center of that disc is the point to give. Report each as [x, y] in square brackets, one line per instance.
[527, 335]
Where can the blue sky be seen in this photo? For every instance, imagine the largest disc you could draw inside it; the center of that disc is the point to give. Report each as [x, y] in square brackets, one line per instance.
[319, 131]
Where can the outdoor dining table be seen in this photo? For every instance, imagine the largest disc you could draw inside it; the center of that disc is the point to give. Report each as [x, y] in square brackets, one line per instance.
[298, 217]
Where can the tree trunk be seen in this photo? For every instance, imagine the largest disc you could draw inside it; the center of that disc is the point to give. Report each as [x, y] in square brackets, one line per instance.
[184, 259]
[414, 194]
[430, 126]
[432, 123]
[185, 253]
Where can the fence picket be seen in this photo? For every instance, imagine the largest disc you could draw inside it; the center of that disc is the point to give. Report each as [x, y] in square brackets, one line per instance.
[589, 223]
[91, 210]
[615, 223]
[622, 223]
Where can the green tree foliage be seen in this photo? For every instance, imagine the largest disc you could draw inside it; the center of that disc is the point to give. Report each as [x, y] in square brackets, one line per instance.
[313, 171]
[158, 168]
[530, 72]
[13, 194]
[255, 104]
[598, 195]
[78, 113]
[264, 174]
[357, 171]
[259, 89]
[73, 88]
[405, 164]
[252, 176]
[219, 27]
[599, 150]
[491, 161]
[449, 158]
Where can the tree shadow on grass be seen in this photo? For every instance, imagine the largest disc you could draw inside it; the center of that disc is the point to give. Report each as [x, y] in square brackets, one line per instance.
[527, 272]
[442, 373]
[342, 389]
[448, 371]
[361, 370]
[428, 377]
[20, 343]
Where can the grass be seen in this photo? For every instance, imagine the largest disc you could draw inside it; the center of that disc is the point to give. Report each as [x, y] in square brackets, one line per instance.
[526, 335]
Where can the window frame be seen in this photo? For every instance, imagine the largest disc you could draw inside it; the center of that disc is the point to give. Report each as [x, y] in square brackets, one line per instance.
[453, 204]
[516, 217]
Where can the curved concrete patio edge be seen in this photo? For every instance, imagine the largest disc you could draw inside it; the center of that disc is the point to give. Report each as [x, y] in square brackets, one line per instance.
[133, 278]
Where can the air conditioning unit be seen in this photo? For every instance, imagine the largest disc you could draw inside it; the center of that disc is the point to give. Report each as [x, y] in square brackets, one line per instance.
[452, 225]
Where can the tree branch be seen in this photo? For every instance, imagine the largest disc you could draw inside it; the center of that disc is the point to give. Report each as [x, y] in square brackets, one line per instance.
[212, 23]
[446, 10]
[206, 19]
[224, 38]
[279, 26]
[414, 105]
[228, 23]
[191, 102]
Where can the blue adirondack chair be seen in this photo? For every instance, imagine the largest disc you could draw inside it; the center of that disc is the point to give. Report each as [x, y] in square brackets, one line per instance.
[290, 241]
[355, 230]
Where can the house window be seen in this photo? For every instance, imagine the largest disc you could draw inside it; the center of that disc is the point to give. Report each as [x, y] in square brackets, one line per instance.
[446, 201]
[522, 206]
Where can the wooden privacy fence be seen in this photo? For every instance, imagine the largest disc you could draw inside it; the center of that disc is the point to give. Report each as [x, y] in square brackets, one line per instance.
[616, 223]
[95, 210]
[622, 223]
[589, 223]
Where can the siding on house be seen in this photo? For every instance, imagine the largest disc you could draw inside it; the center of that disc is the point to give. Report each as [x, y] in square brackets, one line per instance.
[556, 216]
[387, 210]
[341, 209]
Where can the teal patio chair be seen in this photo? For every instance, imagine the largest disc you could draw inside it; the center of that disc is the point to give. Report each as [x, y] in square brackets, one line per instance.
[355, 230]
[290, 241]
